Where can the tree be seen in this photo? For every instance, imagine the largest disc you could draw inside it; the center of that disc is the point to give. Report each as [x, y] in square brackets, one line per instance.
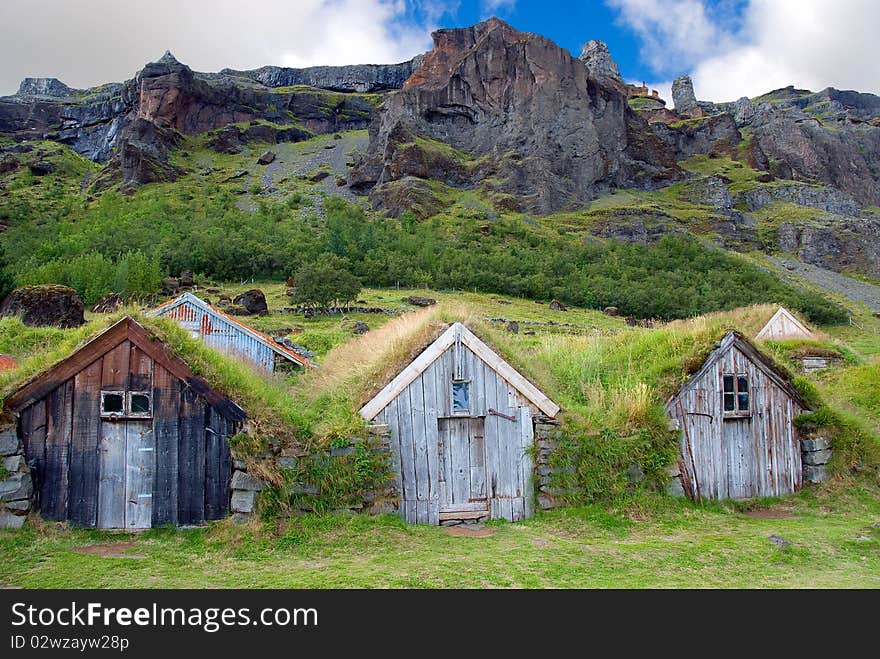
[326, 283]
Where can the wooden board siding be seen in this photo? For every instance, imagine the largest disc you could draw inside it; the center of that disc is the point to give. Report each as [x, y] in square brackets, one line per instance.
[432, 475]
[783, 325]
[166, 429]
[53, 499]
[738, 457]
[83, 482]
[171, 467]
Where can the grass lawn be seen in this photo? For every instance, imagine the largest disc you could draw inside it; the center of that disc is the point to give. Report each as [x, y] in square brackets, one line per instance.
[654, 543]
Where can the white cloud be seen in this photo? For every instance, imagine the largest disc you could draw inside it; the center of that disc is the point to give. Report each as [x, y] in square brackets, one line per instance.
[86, 42]
[810, 44]
[493, 6]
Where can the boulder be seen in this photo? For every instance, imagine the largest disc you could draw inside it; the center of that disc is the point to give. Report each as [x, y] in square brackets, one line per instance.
[254, 301]
[419, 301]
[41, 168]
[267, 158]
[360, 327]
[8, 163]
[611, 311]
[556, 305]
[186, 279]
[45, 305]
[512, 326]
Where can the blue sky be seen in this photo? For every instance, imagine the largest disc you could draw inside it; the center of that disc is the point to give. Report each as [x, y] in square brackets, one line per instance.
[731, 48]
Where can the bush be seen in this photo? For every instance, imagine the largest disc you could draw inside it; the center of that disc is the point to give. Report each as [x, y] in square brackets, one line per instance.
[326, 283]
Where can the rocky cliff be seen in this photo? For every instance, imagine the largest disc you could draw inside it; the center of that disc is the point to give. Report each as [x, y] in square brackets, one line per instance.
[534, 125]
[355, 78]
[107, 123]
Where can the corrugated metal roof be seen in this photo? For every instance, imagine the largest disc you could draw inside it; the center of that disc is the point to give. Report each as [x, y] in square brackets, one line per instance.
[188, 298]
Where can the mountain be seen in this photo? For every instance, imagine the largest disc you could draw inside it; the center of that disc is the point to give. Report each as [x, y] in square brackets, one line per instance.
[493, 126]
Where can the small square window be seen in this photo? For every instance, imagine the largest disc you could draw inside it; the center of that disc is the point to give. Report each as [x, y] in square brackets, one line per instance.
[112, 403]
[742, 393]
[461, 397]
[139, 403]
[735, 395]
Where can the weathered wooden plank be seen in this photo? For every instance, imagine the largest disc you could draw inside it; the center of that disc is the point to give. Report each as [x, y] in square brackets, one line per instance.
[140, 466]
[214, 490]
[224, 470]
[466, 506]
[33, 420]
[419, 440]
[191, 459]
[517, 509]
[463, 514]
[407, 452]
[58, 431]
[140, 370]
[477, 458]
[507, 458]
[166, 430]
[111, 475]
[429, 389]
[115, 368]
[82, 496]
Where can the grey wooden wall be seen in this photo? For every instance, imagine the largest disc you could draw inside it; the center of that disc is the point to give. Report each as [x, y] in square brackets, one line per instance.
[738, 458]
[172, 468]
[413, 420]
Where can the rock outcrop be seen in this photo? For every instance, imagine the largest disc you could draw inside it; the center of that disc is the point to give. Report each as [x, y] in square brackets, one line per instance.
[44, 305]
[523, 119]
[717, 134]
[254, 301]
[683, 97]
[597, 58]
[354, 78]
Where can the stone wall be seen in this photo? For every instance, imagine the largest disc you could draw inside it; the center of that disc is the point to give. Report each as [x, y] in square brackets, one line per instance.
[246, 487]
[816, 454]
[16, 486]
[547, 436]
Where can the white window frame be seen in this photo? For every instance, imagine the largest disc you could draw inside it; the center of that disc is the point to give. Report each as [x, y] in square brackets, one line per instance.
[736, 412]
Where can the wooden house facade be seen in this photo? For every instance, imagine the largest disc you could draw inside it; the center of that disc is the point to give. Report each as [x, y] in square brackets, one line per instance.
[461, 426]
[227, 334]
[736, 416]
[783, 325]
[122, 434]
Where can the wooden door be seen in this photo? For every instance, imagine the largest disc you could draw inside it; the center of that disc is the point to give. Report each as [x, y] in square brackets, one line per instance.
[738, 444]
[111, 475]
[140, 466]
[462, 468]
[127, 460]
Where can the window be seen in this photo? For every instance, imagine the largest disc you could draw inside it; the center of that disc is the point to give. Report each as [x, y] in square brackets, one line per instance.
[736, 395]
[126, 404]
[112, 403]
[461, 402]
[139, 403]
